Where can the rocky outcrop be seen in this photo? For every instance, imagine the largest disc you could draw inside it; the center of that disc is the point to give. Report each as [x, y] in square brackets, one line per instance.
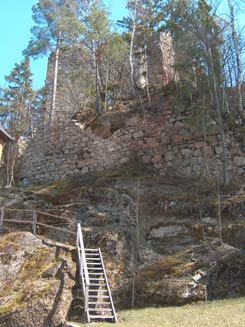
[156, 233]
[205, 271]
[36, 281]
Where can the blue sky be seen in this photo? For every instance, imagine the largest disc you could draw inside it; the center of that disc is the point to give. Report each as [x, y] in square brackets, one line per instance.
[15, 24]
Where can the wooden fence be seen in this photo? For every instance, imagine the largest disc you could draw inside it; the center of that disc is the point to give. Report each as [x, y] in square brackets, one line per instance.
[35, 214]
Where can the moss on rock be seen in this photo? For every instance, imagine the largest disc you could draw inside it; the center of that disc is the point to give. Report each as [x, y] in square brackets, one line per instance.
[29, 296]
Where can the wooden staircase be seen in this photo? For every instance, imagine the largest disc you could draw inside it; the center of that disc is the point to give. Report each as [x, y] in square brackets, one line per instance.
[98, 301]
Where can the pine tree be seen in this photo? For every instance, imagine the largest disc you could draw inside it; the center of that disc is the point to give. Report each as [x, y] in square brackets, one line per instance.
[17, 99]
[57, 26]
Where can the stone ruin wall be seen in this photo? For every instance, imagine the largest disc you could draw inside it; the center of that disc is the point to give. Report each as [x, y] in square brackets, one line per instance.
[158, 62]
[165, 142]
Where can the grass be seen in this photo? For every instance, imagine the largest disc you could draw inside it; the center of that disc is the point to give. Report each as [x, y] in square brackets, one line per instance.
[222, 313]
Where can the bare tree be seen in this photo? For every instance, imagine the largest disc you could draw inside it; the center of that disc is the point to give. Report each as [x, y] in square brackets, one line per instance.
[131, 54]
[235, 40]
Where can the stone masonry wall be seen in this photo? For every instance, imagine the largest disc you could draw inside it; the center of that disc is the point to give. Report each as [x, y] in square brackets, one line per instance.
[166, 142]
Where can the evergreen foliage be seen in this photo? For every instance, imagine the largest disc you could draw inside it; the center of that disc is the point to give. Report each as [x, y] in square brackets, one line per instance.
[16, 101]
[54, 19]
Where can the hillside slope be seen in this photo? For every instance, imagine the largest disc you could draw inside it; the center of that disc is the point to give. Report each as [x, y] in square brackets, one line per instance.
[159, 236]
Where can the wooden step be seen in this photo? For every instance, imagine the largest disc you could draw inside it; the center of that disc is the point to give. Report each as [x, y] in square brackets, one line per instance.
[92, 255]
[92, 250]
[95, 259]
[93, 264]
[97, 279]
[95, 274]
[87, 254]
[100, 309]
[100, 317]
[100, 303]
[93, 268]
[96, 291]
[91, 296]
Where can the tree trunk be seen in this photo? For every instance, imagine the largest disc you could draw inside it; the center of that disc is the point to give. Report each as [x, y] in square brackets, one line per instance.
[131, 55]
[219, 213]
[10, 163]
[235, 41]
[56, 66]
[106, 86]
[147, 76]
[97, 81]
[132, 46]
[220, 119]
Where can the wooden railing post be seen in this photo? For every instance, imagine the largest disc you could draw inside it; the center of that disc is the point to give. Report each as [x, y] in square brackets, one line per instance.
[34, 222]
[1, 221]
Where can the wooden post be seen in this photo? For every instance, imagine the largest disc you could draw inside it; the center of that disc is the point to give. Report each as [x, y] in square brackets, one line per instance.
[1, 149]
[34, 222]
[1, 221]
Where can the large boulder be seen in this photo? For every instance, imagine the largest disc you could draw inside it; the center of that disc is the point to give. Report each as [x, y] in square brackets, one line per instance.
[36, 281]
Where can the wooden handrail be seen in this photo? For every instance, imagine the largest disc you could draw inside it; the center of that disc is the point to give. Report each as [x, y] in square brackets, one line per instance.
[37, 211]
[83, 269]
[40, 224]
[34, 222]
[108, 288]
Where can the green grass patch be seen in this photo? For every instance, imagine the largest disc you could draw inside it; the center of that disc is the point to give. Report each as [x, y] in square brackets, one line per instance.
[222, 313]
